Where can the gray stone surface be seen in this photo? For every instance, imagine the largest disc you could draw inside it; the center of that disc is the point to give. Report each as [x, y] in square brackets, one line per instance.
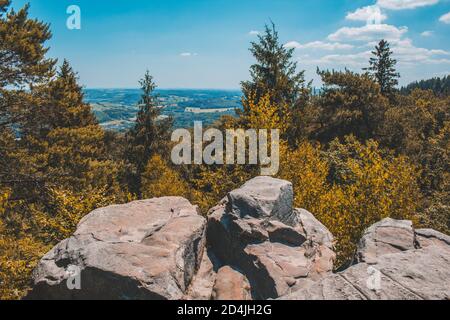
[384, 237]
[263, 198]
[143, 250]
[429, 237]
[410, 275]
[202, 284]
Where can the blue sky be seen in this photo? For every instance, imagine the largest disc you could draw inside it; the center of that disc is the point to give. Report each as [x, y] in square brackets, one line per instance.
[204, 43]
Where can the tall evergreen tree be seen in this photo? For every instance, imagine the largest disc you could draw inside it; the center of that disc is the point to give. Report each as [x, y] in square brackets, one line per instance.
[64, 134]
[382, 68]
[22, 65]
[150, 134]
[275, 73]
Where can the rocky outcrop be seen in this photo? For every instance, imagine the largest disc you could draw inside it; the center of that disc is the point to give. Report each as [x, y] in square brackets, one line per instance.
[395, 262]
[253, 245]
[143, 250]
[256, 230]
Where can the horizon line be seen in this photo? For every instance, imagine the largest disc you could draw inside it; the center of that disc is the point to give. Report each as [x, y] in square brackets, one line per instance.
[160, 88]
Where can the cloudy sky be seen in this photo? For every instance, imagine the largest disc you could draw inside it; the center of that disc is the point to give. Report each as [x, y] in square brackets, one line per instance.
[204, 43]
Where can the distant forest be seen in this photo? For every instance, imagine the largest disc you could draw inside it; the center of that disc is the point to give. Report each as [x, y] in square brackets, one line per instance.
[439, 86]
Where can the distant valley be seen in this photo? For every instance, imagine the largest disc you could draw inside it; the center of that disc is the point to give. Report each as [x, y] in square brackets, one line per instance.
[116, 109]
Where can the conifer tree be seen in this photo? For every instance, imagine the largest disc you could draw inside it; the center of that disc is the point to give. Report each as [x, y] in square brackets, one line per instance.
[275, 73]
[22, 65]
[64, 135]
[150, 134]
[382, 68]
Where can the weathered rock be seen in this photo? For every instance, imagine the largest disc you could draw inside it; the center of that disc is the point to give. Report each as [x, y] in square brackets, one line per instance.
[143, 250]
[274, 248]
[231, 285]
[312, 229]
[263, 198]
[279, 232]
[254, 245]
[384, 237]
[409, 275]
[430, 237]
[202, 284]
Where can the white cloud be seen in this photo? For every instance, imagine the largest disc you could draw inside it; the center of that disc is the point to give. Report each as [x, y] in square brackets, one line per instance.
[370, 14]
[370, 32]
[354, 60]
[427, 33]
[253, 33]
[405, 4]
[319, 45]
[406, 53]
[445, 18]
[188, 54]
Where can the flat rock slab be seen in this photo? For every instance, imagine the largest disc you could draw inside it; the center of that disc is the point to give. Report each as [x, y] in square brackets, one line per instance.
[142, 250]
[410, 275]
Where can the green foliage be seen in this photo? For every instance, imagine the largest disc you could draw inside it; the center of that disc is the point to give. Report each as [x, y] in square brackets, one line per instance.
[22, 50]
[275, 73]
[351, 103]
[150, 133]
[382, 68]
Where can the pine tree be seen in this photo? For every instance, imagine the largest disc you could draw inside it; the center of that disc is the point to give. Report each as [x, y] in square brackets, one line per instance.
[54, 167]
[64, 135]
[22, 65]
[382, 68]
[22, 50]
[275, 73]
[150, 134]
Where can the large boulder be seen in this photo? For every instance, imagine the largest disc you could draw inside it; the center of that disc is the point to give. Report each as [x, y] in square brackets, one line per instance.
[253, 245]
[262, 198]
[142, 250]
[256, 230]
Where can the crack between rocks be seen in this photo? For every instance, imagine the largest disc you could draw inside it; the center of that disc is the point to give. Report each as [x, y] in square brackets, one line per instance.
[402, 286]
[430, 237]
[109, 242]
[354, 286]
[393, 245]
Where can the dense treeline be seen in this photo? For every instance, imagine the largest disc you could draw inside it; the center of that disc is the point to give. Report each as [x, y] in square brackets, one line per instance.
[439, 86]
[358, 152]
